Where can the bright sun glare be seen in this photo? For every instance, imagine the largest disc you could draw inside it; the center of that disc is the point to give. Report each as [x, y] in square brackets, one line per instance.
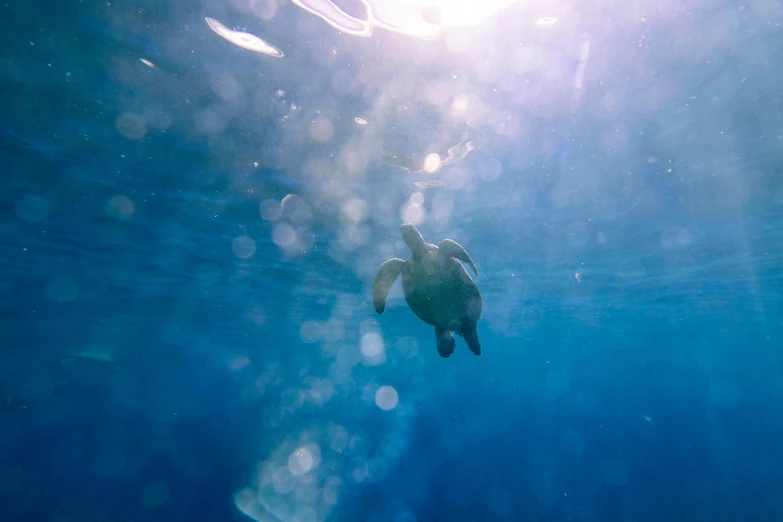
[418, 18]
[458, 13]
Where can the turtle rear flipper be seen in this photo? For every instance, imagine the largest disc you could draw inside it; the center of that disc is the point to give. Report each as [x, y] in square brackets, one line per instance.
[446, 342]
[470, 334]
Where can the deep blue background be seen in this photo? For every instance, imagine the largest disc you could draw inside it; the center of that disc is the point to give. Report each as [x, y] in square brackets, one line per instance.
[647, 388]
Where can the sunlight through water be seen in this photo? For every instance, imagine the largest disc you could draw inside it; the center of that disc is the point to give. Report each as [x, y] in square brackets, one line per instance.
[195, 236]
[418, 18]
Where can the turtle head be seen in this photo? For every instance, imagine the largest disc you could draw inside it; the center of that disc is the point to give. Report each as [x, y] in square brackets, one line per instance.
[413, 239]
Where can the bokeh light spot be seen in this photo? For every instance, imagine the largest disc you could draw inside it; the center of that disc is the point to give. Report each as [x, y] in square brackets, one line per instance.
[295, 209]
[386, 398]
[284, 235]
[412, 214]
[431, 163]
[459, 105]
[322, 130]
[356, 209]
[283, 480]
[120, 207]
[62, 290]
[264, 9]
[310, 331]
[490, 170]
[302, 460]
[132, 126]
[372, 348]
[270, 210]
[244, 247]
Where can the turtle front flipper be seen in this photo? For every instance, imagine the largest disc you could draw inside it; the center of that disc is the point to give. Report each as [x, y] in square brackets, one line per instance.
[384, 280]
[446, 342]
[469, 332]
[451, 248]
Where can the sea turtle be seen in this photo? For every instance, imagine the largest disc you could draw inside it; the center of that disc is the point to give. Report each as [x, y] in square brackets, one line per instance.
[436, 287]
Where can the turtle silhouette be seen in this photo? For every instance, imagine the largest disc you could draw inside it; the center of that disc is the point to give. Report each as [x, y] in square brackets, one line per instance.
[436, 287]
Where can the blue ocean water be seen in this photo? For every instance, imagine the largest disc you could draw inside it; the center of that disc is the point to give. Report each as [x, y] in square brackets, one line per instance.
[191, 229]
